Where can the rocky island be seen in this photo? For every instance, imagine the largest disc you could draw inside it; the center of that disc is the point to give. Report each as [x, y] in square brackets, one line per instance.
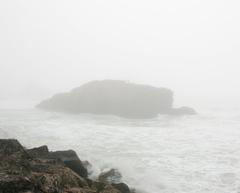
[115, 97]
[39, 170]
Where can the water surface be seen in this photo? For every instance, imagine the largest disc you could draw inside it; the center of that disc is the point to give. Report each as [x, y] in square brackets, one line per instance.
[189, 154]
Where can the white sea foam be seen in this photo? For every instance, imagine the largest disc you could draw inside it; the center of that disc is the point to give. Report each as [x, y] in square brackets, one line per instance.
[192, 154]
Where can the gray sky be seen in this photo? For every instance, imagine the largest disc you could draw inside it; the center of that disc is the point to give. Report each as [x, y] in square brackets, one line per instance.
[190, 46]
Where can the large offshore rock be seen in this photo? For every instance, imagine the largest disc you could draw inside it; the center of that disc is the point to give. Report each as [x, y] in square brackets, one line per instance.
[113, 97]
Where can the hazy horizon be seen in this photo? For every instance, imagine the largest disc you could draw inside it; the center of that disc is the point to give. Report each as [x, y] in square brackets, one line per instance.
[129, 138]
[191, 47]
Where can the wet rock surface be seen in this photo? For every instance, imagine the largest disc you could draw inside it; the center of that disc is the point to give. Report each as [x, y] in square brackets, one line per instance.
[110, 176]
[38, 170]
[114, 177]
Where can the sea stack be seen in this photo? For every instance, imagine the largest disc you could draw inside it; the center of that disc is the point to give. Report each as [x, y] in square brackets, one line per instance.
[115, 97]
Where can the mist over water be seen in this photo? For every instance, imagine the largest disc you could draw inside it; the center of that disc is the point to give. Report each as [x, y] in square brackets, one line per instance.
[191, 47]
[167, 154]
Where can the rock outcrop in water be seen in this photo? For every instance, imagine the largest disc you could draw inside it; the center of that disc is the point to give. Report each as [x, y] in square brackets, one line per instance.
[40, 171]
[116, 98]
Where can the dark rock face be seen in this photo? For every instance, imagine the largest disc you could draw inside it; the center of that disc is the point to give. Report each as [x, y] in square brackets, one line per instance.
[122, 187]
[10, 146]
[38, 151]
[39, 171]
[69, 158]
[113, 97]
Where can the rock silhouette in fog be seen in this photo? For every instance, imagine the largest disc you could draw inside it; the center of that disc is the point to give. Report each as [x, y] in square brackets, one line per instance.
[116, 97]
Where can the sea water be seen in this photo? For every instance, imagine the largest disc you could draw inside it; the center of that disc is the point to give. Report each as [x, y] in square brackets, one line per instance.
[167, 154]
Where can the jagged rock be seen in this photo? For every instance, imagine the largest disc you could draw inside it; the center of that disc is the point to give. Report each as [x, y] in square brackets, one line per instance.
[79, 190]
[123, 188]
[39, 171]
[71, 160]
[110, 176]
[20, 172]
[114, 97]
[109, 189]
[10, 146]
[41, 151]
[15, 184]
[88, 166]
[97, 186]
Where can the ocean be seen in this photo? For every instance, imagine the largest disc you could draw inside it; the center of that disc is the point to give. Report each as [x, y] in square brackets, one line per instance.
[167, 154]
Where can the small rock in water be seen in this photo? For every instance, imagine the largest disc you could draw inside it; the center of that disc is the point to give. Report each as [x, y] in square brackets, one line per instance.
[110, 176]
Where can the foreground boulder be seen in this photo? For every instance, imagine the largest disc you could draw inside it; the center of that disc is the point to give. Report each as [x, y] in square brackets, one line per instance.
[10, 146]
[69, 158]
[40, 171]
[115, 98]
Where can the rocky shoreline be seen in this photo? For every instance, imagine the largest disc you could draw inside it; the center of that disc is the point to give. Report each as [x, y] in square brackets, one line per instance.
[39, 170]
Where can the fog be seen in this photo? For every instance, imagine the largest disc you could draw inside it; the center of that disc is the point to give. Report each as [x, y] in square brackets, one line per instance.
[189, 46]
